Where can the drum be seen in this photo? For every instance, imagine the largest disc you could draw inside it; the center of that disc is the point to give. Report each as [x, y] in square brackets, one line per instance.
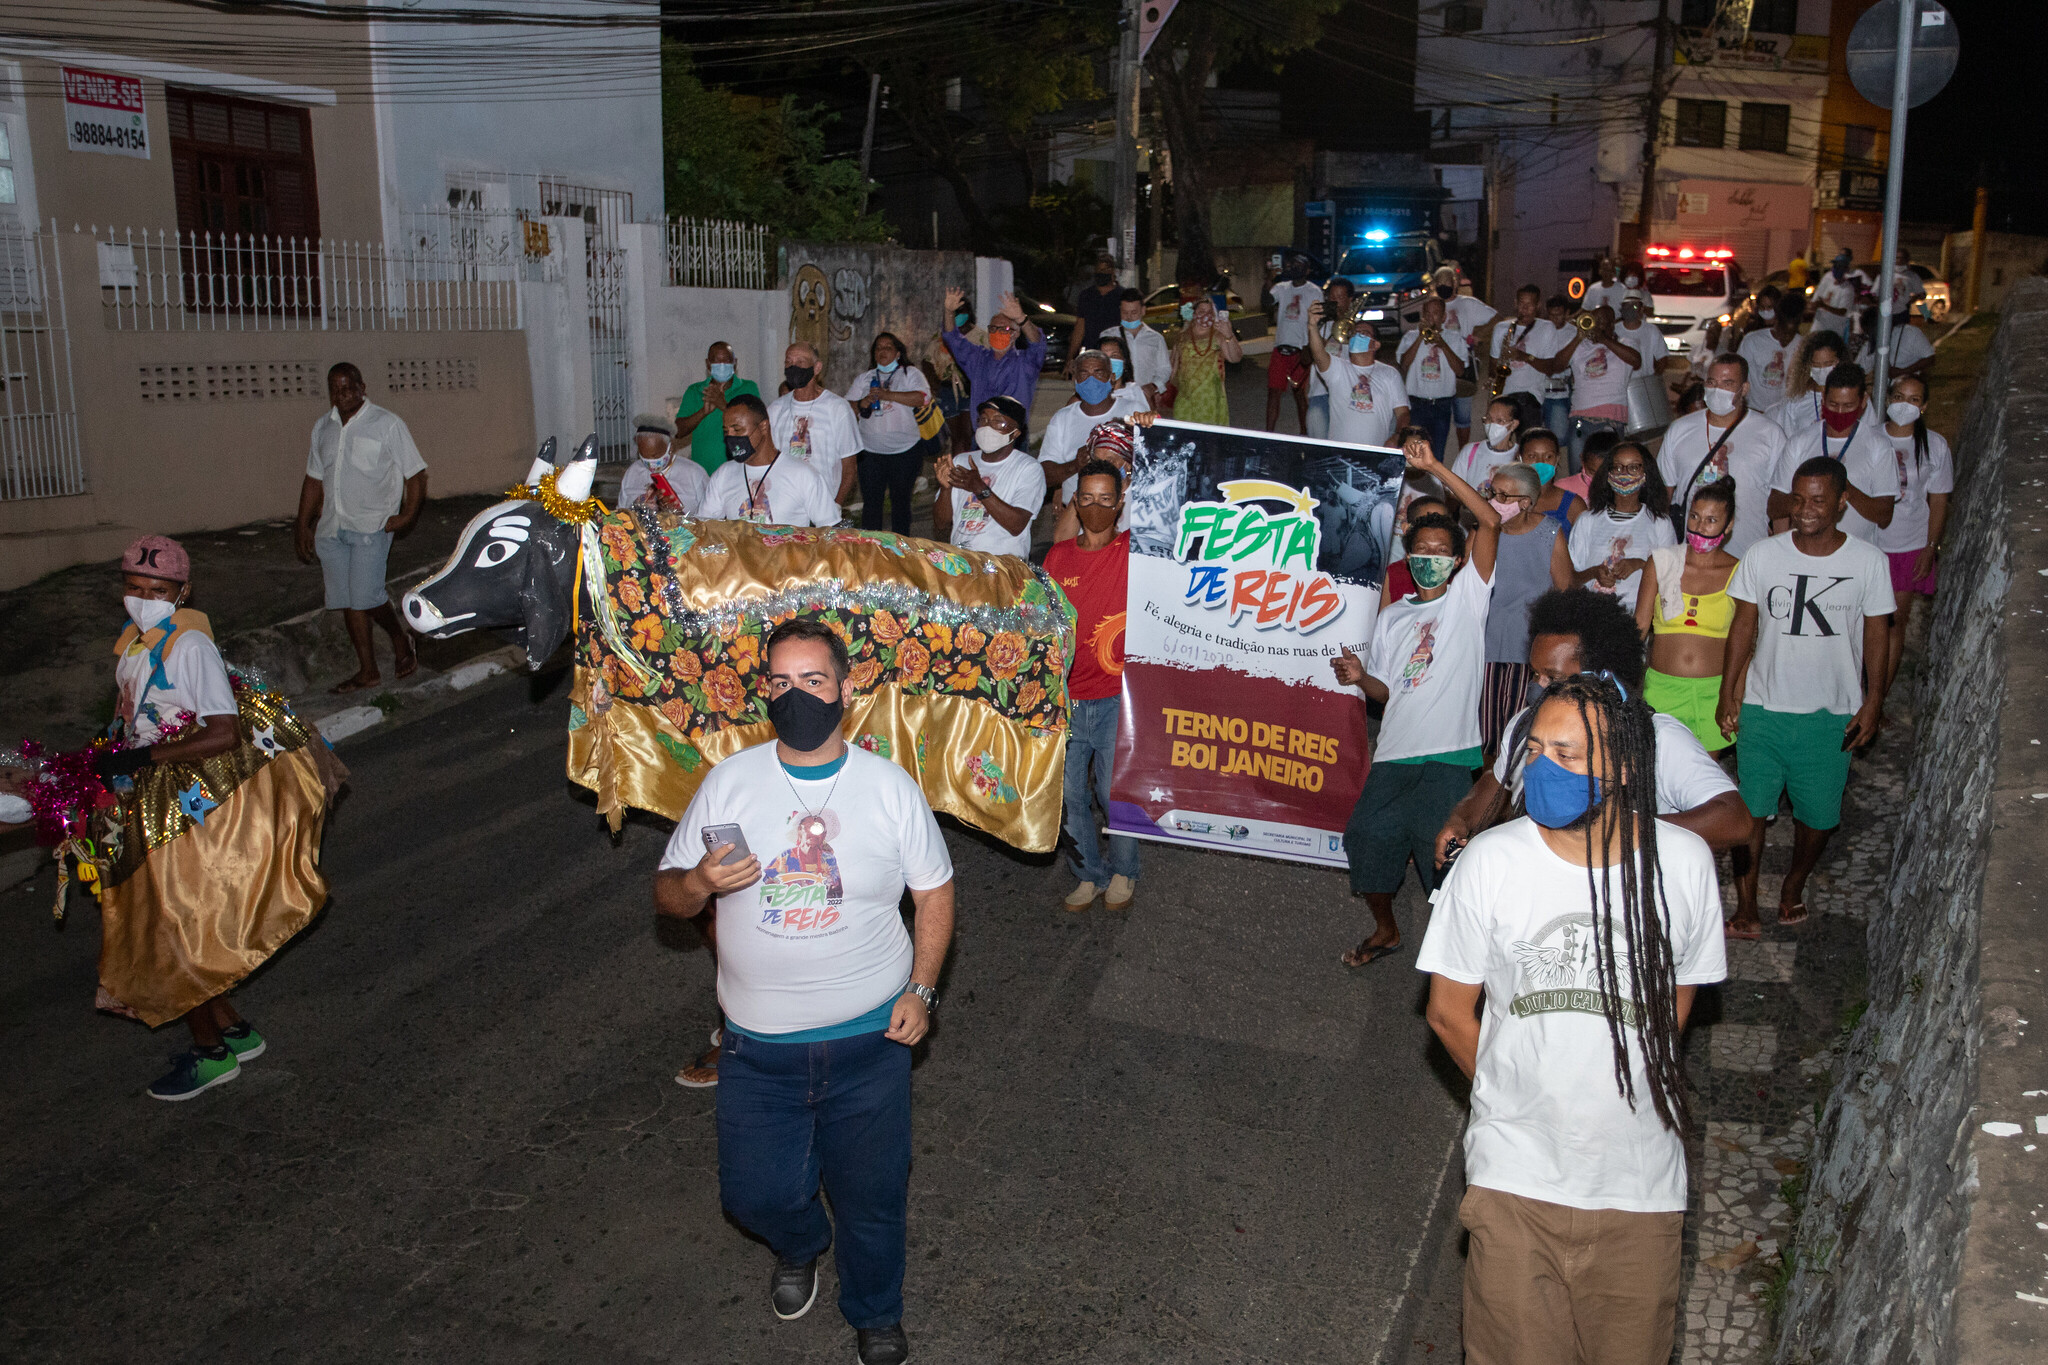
[1649, 405]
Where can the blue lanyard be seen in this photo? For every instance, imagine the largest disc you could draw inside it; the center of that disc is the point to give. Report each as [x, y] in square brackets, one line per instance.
[1854, 432]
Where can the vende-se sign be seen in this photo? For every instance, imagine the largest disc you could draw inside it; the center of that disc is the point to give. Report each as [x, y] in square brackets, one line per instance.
[103, 113]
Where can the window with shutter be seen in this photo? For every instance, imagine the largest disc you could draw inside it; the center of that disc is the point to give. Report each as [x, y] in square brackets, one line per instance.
[241, 166]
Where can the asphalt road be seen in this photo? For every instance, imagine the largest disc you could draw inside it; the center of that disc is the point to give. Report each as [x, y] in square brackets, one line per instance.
[1181, 1133]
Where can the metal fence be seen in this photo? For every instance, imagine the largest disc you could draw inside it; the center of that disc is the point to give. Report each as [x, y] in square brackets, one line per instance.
[710, 253]
[174, 281]
[38, 411]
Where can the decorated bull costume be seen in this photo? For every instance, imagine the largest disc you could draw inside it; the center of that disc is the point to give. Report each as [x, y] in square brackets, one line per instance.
[959, 659]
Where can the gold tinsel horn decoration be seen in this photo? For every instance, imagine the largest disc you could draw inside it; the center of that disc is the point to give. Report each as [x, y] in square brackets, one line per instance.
[564, 493]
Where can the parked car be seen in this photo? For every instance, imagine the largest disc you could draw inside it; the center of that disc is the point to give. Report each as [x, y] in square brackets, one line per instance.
[1162, 309]
[1058, 327]
[1391, 274]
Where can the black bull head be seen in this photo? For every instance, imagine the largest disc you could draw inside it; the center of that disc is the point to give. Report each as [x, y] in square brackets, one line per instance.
[514, 568]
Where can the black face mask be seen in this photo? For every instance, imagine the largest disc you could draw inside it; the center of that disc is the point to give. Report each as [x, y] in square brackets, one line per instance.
[798, 375]
[739, 447]
[1445, 291]
[1102, 278]
[804, 720]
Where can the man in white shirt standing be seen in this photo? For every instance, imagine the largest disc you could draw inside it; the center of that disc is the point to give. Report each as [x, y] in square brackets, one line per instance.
[1524, 338]
[823, 990]
[1287, 368]
[1606, 290]
[1368, 403]
[1339, 299]
[1064, 447]
[364, 484]
[1727, 439]
[988, 503]
[1834, 296]
[1632, 326]
[1585, 927]
[1804, 680]
[757, 483]
[815, 426]
[1432, 360]
[1467, 314]
[1851, 433]
[1602, 365]
[1770, 352]
[1151, 361]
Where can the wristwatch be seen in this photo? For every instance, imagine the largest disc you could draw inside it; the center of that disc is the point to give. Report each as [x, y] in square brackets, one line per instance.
[924, 993]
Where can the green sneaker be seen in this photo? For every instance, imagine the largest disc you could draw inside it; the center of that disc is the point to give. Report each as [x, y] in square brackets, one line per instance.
[194, 1071]
[246, 1043]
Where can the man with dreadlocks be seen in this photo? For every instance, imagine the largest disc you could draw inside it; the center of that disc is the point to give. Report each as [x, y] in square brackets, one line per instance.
[1586, 925]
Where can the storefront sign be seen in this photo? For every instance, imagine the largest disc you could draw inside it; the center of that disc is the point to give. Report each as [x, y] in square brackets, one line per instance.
[103, 113]
[1756, 51]
[1732, 205]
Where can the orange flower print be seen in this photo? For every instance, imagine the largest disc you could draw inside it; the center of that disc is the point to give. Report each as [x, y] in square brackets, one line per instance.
[619, 541]
[940, 637]
[678, 713]
[912, 663]
[630, 596]
[724, 691]
[646, 633]
[970, 640]
[965, 679]
[886, 628]
[1006, 654]
[865, 672]
[684, 665]
[744, 654]
[1029, 697]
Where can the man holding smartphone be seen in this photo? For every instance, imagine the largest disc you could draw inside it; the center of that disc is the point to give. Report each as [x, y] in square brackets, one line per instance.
[824, 991]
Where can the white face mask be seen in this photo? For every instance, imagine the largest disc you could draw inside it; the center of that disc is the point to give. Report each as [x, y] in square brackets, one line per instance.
[1767, 314]
[1497, 434]
[990, 440]
[1720, 402]
[1903, 414]
[147, 612]
[1632, 280]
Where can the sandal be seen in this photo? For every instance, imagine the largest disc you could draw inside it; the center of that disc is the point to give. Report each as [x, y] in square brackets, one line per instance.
[1790, 915]
[1364, 955]
[701, 1074]
[1748, 932]
[357, 684]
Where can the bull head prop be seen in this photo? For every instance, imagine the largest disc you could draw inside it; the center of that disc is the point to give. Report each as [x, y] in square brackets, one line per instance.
[515, 567]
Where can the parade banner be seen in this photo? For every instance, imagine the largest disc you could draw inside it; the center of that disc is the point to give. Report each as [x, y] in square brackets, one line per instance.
[1255, 560]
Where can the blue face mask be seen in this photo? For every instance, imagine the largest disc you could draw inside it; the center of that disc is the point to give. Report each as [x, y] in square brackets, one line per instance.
[1093, 390]
[1132, 324]
[1187, 312]
[721, 372]
[1116, 366]
[1553, 794]
[889, 368]
[1360, 344]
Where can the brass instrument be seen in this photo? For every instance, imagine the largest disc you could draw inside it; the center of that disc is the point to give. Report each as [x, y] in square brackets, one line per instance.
[1431, 336]
[1341, 329]
[1586, 322]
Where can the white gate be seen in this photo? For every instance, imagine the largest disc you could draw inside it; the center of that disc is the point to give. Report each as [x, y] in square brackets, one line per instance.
[611, 389]
[38, 412]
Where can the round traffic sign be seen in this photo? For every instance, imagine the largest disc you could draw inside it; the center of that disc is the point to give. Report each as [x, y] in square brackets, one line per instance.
[1874, 46]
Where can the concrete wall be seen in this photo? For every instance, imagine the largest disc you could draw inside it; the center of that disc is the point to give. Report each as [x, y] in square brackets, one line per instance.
[1907, 1195]
[669, 328]
[2009, 257]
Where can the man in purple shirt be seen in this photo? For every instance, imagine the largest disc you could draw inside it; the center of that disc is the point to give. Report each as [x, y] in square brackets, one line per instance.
[1003, 366]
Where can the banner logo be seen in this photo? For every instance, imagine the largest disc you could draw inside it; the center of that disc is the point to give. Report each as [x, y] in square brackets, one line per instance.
[1245, 557]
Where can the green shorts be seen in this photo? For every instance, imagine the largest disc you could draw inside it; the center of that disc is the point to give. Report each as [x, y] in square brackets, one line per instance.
[1798, 753]
[1690, 700]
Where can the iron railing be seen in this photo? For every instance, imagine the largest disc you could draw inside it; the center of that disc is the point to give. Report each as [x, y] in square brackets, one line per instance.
[39, 454]
[711, 253]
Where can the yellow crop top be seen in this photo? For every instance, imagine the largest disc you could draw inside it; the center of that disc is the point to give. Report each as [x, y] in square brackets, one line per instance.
[1710, 614]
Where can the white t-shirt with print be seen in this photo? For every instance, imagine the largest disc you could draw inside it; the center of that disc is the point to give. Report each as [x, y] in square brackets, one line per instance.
[1066, 429]
[1835, 296]
[1866, 453]
[1539, 339]
[1646, 341]
[817, 939]
[1798, 414]
[684, 475]
[1809, 622]
[1363, 400]
[1909, 347]
[1291, 303]
[1599, 377]
[1018, 480]
[1608, 294]
[1687, 775]
[1477, 461]
[1468, 315]
[784, 493]
[820, 433]
[1432, 658]
[1750, 456]
[198, 684]
[1424, 371]
[1910, 521]
[1770, 364]
[893, 428]
[1606, 537]
[1548, 1121]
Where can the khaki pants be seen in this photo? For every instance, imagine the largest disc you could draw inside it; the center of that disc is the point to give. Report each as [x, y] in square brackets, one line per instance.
[1546, 1284]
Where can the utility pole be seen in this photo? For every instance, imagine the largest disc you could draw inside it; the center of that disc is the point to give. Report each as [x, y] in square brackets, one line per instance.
[1894, 187]
[1978, 222]
[867, 136]
[1653, 115]
[1125, 204]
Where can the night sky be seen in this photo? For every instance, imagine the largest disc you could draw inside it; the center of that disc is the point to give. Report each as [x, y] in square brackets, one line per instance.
[1986, 121]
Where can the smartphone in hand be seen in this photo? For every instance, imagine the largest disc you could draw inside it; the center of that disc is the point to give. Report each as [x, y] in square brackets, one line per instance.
[714, 835]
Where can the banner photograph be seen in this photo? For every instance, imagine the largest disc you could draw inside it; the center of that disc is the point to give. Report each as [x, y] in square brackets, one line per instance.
[1255, 560]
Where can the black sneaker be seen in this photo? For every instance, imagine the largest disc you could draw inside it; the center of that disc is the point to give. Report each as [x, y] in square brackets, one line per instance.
[792, 1289]
[882, 1345]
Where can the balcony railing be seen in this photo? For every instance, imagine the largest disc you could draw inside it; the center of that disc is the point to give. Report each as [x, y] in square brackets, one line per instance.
[711, 253]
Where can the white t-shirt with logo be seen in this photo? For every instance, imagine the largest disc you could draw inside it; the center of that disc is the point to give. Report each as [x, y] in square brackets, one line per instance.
[1909, 347]
[819, 433]
[1066, 429]
[893, 428]
[198, 685]
[1548, 1121]
[1424, 371]
[1769, 365]
[1477, 461]
[817, 940]
[1909, 527]
[1687, 775]
[1290, 307]
[1866, 453]
[1539, 339]
[1608, 537]
[1646, 341]
[1018, 480]
[683, 475]
[1835, 296]
[1809, 622]
[1363, 400]
[1609, 294]
[1599, 377]
[1432, 658]
[784, 493]
[1750, 456]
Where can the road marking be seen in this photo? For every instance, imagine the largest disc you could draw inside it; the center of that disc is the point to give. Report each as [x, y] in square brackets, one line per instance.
[1415, 1256]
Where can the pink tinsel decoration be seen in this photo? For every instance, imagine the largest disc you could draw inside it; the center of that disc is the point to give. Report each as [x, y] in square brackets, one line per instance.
[67, 791]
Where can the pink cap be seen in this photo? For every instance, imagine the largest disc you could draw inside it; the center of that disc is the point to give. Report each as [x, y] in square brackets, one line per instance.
[158, 557]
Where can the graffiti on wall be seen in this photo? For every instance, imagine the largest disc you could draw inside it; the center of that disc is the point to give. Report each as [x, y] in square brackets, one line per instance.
[824, 312]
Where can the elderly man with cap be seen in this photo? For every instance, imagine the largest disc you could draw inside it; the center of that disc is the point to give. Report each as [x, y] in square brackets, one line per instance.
[216, 867]
[665, 473]
[989, 502]
[364, 484]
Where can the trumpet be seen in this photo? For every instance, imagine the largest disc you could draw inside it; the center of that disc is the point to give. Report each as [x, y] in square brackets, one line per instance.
[1432, 336]
[1341, 329]
[1586, 322]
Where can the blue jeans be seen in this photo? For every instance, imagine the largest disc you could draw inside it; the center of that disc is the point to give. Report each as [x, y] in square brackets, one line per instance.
[1461, 411]
[1582, 427]
[1557, 420]
[1091, 741]
[791, 1114]
[1319, 416]
[1434, 415]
